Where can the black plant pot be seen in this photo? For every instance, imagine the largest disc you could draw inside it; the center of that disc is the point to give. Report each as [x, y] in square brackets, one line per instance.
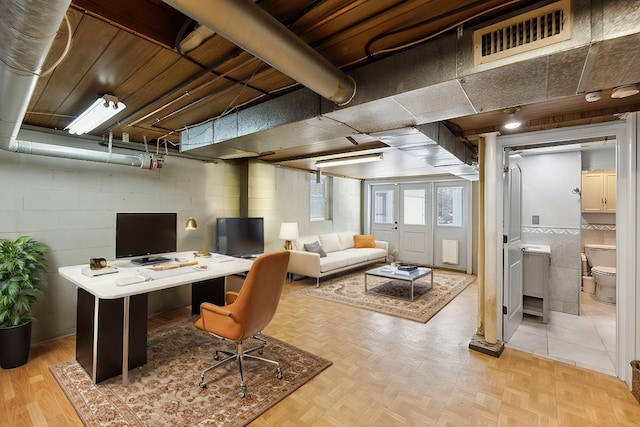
[15, 343]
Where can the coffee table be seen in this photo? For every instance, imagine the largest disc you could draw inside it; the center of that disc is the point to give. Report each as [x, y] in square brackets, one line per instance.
[395, 274]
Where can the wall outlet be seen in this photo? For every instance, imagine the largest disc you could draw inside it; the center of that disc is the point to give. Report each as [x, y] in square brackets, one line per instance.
[535, 219]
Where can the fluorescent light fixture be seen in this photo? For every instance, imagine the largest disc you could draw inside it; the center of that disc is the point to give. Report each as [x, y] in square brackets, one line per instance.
[100, 111]
[349, 160]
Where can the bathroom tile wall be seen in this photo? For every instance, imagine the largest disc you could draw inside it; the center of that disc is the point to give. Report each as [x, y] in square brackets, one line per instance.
[565, 269]
[598, 229]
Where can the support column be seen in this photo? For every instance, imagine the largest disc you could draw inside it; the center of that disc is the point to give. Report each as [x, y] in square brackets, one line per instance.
[485, 340]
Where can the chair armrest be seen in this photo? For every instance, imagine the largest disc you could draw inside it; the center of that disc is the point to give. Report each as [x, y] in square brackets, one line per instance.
[213, 309]
[230, 297]
[304, 263]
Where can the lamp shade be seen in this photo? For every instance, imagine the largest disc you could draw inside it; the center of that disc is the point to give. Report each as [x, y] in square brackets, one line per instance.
[288, 231]
[191, 224]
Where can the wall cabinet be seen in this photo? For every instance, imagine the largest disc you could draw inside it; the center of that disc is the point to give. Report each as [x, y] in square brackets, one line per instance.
[598, 191]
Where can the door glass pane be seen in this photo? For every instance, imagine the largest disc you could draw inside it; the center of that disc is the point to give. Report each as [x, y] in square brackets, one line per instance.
[414, 207]
[383, 207]
[449, 206]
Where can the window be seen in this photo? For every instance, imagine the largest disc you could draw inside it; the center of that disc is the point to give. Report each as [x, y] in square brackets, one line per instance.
[415, 207]
[383, 207]
[321, 198]
[449, 206]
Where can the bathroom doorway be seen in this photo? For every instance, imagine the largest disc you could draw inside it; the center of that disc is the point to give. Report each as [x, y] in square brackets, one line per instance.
[581, 328]
[626, 133]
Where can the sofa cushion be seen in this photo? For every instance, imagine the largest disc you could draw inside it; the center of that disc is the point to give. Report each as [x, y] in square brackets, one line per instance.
[346, 239]
[330, 242]
[354, 256]
[315, 247]
[332, 262]
[364, 241]
[298, 244]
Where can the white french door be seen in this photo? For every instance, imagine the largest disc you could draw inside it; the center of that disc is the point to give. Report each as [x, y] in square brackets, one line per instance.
[415, 224]
[426, 223]
[401, 215]
[384, 214]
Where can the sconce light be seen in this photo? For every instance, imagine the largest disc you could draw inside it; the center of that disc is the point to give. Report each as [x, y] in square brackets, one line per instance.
[288, 232]
[99, 112]
[193, 225]
[512, 123]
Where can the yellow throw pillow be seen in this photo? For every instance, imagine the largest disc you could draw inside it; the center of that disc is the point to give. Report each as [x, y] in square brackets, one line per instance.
[364, 241]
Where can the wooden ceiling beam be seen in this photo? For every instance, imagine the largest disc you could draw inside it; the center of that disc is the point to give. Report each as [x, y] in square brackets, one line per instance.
[153, 20]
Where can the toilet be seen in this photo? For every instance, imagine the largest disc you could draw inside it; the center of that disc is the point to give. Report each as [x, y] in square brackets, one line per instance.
[602, 262]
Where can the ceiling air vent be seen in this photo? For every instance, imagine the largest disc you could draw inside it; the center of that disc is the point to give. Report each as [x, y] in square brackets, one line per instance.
[540, 27]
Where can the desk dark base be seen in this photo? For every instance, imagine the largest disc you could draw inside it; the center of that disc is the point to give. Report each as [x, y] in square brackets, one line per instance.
[108, 360]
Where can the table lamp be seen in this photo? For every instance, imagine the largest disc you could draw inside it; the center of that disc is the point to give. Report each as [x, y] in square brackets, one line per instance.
[193, 225]
[288, 232]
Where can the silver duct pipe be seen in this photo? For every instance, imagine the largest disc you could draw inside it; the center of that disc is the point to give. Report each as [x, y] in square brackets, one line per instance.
[27, 30]
[143, 161]
[248, 26]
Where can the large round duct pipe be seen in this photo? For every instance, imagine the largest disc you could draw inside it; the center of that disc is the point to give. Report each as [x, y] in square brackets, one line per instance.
[142, 161]
[248, 26]
[27, 30]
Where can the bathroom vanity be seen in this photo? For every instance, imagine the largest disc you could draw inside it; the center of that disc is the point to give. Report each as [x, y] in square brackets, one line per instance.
[535, 280]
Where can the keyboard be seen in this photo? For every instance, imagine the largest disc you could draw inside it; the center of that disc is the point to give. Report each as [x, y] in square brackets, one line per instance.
[163, 274]
[129, 280]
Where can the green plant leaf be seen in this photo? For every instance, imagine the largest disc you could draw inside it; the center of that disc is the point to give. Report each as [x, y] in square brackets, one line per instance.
[23, 265]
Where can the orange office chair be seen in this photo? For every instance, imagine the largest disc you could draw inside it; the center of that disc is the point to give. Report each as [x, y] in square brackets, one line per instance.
[246, 313]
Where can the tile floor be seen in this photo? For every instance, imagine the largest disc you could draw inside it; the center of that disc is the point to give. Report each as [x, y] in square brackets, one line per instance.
[588, 341]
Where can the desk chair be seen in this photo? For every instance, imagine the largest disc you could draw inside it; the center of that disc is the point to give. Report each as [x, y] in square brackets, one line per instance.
[247, 312]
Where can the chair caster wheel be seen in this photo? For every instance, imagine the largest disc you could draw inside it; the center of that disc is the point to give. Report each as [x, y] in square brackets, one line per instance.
[216, 357]
[242, 394]
[202, 385]
[279, 374]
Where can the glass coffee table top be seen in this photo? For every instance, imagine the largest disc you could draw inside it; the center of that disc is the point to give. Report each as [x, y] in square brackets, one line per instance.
[390, 272]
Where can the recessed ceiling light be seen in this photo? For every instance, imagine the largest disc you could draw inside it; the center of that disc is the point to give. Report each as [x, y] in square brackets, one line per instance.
[624, 91]
[593, 96]
[512, 123]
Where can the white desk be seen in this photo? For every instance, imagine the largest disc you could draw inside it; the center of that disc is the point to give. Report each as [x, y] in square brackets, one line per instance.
[105, 288]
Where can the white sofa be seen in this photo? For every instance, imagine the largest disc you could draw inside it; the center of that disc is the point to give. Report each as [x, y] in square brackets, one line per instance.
[341, 253]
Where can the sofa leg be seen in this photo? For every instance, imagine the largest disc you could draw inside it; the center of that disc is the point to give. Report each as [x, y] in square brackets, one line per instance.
[317, 282]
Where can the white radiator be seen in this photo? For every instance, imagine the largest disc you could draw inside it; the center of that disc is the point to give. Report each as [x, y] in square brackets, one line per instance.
[450, 252]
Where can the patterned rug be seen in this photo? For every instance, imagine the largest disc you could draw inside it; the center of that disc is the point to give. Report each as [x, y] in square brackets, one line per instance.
[391, 297]
[165, 391]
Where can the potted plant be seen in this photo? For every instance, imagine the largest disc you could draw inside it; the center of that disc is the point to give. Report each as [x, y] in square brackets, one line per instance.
[22, 277]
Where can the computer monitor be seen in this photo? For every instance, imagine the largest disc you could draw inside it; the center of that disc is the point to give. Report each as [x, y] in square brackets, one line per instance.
[240, 237]
[145, 235]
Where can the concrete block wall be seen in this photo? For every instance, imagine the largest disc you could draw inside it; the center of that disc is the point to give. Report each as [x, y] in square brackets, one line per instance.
[71, 206]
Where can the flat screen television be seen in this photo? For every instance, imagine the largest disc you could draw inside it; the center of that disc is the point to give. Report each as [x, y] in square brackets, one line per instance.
[145, 235]
[240, 237]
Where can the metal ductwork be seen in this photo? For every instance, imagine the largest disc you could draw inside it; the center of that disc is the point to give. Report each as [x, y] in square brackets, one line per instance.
[436, 146]
[27, 30]
[248, 26]
[143, 161]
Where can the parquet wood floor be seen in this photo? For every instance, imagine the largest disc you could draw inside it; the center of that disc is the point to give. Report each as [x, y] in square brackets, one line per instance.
[386, 371]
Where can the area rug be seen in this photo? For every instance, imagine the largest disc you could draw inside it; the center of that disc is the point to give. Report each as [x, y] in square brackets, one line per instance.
[165, 391]
[391, 297]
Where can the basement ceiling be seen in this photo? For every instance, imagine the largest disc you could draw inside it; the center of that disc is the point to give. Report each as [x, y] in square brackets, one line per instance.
[137, 51]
